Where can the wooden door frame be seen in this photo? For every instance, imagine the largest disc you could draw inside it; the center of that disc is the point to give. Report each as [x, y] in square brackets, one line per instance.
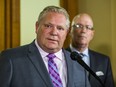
[9, 24]
[72, 9]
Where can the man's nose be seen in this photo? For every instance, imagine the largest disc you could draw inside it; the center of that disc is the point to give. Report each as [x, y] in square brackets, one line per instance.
[54, 31]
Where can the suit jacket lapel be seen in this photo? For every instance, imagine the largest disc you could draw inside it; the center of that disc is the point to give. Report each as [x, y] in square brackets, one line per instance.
[93, 62]
[69, 70]
[37, 61]
[72, 72]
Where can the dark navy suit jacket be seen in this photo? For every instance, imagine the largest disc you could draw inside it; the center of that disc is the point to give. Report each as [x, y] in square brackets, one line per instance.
[24, 67]
[100, 63]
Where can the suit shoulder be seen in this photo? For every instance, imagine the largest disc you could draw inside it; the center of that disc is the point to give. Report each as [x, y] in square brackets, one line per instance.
[66, 52]
[14, 52]
[68, 49]
[98, 54]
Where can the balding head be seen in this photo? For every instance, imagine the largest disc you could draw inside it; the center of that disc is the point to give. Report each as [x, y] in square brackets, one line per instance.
[81, 31]
[80, 17]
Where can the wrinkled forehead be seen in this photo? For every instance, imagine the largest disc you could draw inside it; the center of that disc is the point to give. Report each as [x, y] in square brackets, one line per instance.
[83, 19]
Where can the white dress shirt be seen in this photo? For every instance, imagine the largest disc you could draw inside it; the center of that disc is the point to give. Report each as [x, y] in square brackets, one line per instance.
[59, 60]
[86, 57]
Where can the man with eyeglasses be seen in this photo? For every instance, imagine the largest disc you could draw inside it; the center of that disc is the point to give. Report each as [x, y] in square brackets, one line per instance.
[82, 33]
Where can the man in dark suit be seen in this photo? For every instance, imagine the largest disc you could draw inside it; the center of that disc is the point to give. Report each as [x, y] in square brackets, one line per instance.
[82, 33]
[30, 66]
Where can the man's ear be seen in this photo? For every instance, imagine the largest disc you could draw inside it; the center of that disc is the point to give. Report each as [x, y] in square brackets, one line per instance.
[36, 26]
[68, 32]
[92, 35]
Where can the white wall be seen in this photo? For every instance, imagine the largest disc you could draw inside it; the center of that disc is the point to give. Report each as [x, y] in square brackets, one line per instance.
[30, 10]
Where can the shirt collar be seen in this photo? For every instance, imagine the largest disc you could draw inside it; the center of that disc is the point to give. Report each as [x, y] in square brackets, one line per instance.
[84, 52]
[44, 54]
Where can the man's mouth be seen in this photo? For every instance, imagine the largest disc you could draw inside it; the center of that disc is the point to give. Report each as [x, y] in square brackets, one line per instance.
[52, 40]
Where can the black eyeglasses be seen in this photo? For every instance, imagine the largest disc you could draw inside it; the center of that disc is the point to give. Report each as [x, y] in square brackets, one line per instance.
[80, 26]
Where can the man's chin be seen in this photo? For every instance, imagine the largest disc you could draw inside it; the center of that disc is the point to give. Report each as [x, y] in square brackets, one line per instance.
[53, 47]
[82, 45]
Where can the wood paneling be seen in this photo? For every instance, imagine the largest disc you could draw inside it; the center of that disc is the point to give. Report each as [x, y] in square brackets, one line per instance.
[2, 25]
[72, 8]
[9, 24]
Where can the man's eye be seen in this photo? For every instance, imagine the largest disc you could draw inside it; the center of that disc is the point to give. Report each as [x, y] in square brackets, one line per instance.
[47, 25]
[60, 28]
[81, 26]
[89, 27]
[78, 26]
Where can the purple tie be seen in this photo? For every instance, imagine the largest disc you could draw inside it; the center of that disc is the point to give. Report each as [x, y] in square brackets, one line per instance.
[53, 71]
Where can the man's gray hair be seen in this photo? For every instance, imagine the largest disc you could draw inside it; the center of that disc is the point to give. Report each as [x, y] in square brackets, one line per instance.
[55, 9]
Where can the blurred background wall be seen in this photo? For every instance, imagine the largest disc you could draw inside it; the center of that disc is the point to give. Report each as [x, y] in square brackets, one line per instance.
[30, 10]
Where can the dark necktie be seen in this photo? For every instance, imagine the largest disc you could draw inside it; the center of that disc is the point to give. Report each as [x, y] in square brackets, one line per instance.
[84, 58]
[84, 55]
[53, 71]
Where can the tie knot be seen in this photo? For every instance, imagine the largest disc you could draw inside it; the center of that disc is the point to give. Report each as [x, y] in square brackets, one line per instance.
[51, 56]
[82, 55]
